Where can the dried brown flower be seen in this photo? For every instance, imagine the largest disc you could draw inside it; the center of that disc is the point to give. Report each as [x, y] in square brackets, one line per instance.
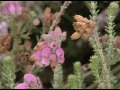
[79, 18]
[48, 15]
[22, 61]
[104, 40]
[83, 27]
[117, 42]
[27, 44]
[75, 36]
[24, 15]
[53, 64]
[5, 43]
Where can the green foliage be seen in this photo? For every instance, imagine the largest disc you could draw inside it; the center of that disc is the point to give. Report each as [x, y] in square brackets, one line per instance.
[110, 50]
[8, 73]
[93, 7]
[95, 67]
[103, 58]
[75, 81]
[58, 77]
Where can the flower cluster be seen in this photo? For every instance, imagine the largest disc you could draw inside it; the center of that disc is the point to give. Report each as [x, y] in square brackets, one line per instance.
[11, 7]
[83, 27]
[30, 82]
[49, 51]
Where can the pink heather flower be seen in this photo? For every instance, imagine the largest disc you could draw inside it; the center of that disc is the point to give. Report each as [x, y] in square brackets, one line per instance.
[59, 52]
[11, 7]
[38, 55]
[45, 61]
[42, 56]
[54, 44]
[52, 50]
[60, 55]
[22, 86]
[55, 36]
[46, 52]
[28, 78]
[32, 81]
[53, 57]
[3, 28]
[60, 59]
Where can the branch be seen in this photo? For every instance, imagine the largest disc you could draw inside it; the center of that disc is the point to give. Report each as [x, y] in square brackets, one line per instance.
[61, 12]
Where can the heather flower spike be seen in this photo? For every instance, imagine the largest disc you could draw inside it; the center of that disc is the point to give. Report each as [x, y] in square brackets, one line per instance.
[51, 52]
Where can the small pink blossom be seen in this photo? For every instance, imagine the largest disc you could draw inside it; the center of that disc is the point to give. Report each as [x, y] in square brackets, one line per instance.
[46, 52]
[55, 37]
[61, 59]
[45, 61]
[59, 52]
[53, 57]
[28, 78]
[30, 82]
[11, 7]
[54, 44]
[37, 55]
[22, 86]
[60, 55]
